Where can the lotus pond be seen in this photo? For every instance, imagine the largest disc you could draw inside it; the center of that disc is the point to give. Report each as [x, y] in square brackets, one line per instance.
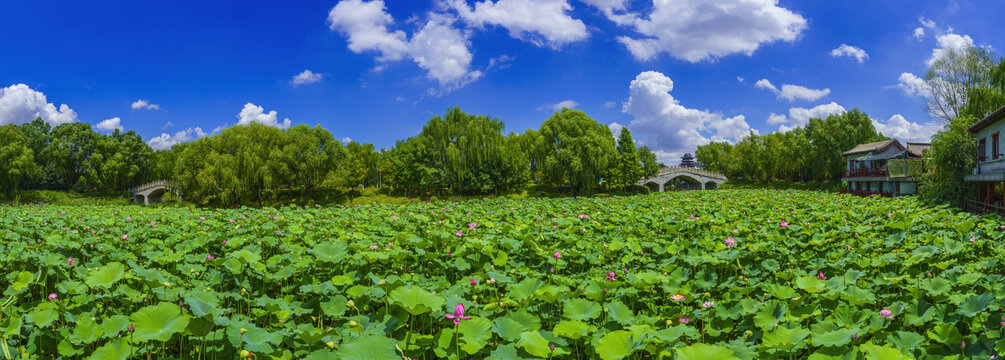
[698, 275]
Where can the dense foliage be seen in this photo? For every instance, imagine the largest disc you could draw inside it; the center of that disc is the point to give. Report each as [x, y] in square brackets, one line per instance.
[698, 275]
[70, 156]
[810, 153]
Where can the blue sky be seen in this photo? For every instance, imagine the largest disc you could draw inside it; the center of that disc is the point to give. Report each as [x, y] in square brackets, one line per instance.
[669, 70]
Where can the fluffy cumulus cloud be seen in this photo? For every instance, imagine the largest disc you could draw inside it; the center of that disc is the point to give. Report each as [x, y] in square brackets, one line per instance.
[850, 51]
[306, 77]
[110, 124]
[919, 33]
[801, 116]
[776, 119]
[898, 127]
[912, 85]
[165, 140]
[792, 92]
[949, 42]
[442, 50]
[437, 47]
[541, 22]
[695, 30]
[254, 113]
[365, 24]
[661, 122]
[144, 104]
[20, 104]
[572, 104]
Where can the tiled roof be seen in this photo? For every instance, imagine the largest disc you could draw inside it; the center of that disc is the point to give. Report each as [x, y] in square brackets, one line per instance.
[990, 119]
[861, 148]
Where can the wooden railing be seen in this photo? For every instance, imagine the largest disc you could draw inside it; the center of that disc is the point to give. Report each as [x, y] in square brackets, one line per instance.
[866, 173]
[867, 193]
[980, 207]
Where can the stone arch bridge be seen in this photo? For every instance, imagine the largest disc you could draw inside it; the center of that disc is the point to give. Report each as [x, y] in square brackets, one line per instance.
[707, 179]
[152, 192]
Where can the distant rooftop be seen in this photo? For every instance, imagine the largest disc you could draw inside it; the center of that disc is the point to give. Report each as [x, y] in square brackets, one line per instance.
[990, 119]
[873, 146]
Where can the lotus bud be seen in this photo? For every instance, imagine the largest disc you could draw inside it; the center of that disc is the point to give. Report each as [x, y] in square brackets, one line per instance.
[353, 323]
[132, 328]
[351, 304]
[245, 354]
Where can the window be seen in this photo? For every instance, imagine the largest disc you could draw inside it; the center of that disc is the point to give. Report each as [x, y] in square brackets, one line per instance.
[994, 146]
[982, 150]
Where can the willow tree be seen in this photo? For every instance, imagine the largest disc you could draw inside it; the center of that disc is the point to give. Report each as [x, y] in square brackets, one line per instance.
[578, 151]
[17, 161]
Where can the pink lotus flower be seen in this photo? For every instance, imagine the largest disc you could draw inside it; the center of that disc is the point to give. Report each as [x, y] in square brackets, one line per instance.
[730, 242]
[973, 239]
[458, 314]
[69, 261]
[605, 245]
[458, 233]
[736, 231]
[684, 319]
[53, 297]
[821, 276]
[610, 276]
[963, 344]
[493, 281]
[124, 237]
[131, 328]
[783, 224]
[886, 313]
[677, 297]
[374, 247]
[707, 304]
[1003, 320]
[557, 255]
[210, 257]
[474, 282]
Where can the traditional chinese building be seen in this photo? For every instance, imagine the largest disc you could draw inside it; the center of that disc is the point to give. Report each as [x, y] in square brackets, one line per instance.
[989, 174]
[886, 168]
[687, 160]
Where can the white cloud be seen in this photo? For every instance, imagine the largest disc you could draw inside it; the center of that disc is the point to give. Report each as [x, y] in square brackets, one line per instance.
[442, 51]
[898, 127]
[919, 33]
[765, 84]
[438, 48]
[169, 124]
[20, 104]
[365, 24]
[912, 85]
[775, 119]
[851, 51]
[695, 30]
[792, 92]
[559, 105]
[801, 116]
[661, 122]
[541, 22]
[306, 77]
[609, 104]
[927, 23]
[144, 104]
[615, 128]
[254, 113]
[947, 42]
[740, 79]
[110, 124]
[347, 140]
[165, 140]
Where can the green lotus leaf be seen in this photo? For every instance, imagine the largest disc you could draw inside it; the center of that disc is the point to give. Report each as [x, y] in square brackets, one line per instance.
[785, 338]
[115, 349]
[332, 252]
[881, 352]
[905, 341]
[571, 329]
[616, 345]
[508, 328]
[837, 337]
[416, 300]
[106, 276]
[43, 314]
[21, 280]
[620, 312]
[368, 347]
[975, 304]
[474, 334]
[705, 352]
[158, 322]
[533, 343]
[582, 309]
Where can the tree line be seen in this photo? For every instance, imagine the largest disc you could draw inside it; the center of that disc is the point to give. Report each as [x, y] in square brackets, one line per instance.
[456, 154]
[809, 153]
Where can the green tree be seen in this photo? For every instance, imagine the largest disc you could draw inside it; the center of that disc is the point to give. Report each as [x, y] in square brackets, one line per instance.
[949, 161]
[577, 151]
[17, 161]
[628, 166]
[650, 167]
[69, 150]
[953, 76]
[312, 153]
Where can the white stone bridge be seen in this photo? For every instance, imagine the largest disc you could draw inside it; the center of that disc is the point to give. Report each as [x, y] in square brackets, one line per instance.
[707, 179]
[152, 192]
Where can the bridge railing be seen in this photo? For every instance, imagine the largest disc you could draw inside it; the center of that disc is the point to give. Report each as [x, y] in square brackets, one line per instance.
[696, 171]
[150, 185]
